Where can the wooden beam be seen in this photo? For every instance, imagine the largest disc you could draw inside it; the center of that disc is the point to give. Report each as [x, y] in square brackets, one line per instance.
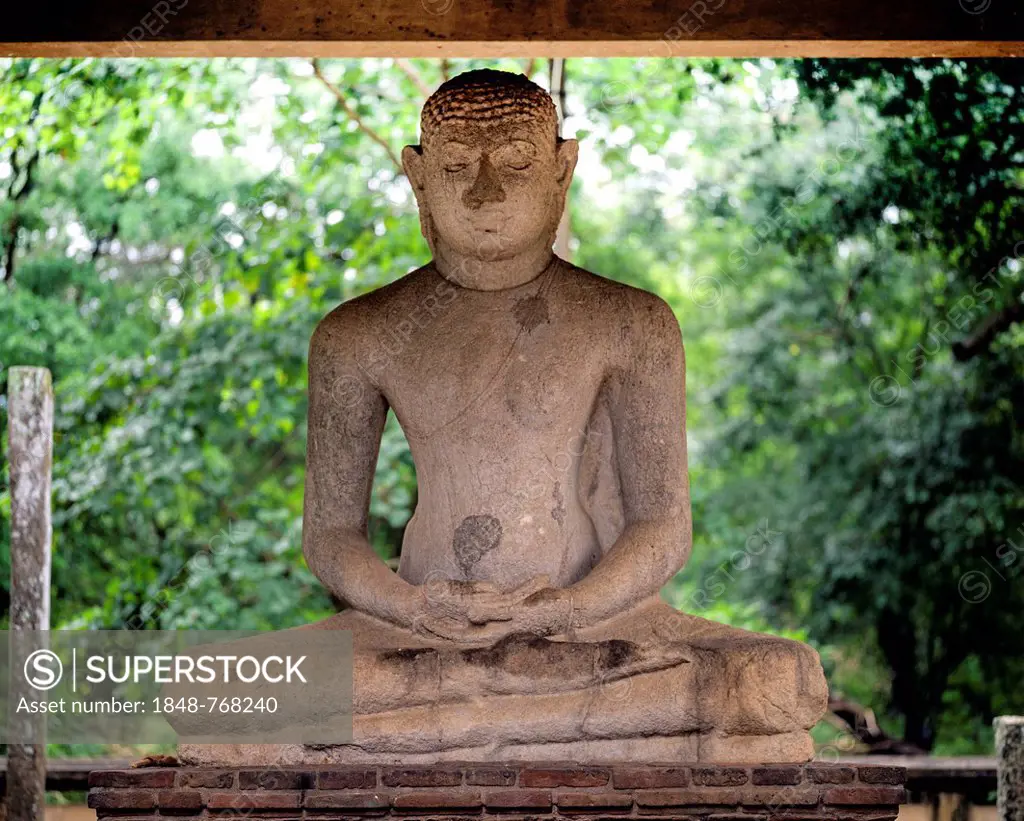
[30, 444]
[522, 28]
[545, 49]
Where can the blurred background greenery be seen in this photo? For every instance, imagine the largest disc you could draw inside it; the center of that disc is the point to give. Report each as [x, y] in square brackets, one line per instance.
[842, 243]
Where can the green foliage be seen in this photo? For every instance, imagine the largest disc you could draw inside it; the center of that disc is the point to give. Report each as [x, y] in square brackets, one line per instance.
[838, 240]
[853, 309]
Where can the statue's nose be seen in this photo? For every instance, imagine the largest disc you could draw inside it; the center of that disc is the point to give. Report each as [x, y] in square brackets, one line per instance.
[485, 188]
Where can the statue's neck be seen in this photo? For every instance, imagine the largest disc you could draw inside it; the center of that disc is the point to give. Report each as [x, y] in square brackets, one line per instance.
[492, 275]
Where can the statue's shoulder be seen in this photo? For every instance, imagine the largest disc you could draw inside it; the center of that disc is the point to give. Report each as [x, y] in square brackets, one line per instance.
[613, 301]
[360, 317]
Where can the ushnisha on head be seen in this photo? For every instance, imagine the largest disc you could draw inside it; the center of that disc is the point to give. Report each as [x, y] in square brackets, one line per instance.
[491, 173]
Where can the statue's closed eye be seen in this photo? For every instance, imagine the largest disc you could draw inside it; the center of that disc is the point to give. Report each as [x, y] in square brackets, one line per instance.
[454, 167]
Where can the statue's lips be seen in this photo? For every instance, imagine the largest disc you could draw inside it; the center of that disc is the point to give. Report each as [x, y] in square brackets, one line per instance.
[491, 221]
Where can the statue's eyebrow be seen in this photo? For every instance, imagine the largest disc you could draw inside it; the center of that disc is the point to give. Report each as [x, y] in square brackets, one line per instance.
[448, 144]
[516, 142]
[519, 138]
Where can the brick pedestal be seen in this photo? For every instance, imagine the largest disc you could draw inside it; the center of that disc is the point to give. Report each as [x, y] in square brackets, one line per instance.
[505, 791]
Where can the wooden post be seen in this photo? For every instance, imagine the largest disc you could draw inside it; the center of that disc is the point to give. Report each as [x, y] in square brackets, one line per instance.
[1010, 758]
[556, 73]
[30, 444]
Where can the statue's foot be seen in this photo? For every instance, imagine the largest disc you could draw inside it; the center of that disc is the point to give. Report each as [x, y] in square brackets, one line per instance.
[527, 664]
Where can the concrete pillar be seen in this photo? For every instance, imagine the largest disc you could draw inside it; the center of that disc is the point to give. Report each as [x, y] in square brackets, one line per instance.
[30, 445]
[1010, 756]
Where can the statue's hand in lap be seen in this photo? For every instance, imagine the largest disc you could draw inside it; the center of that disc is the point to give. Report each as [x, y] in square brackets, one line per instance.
[476, 613]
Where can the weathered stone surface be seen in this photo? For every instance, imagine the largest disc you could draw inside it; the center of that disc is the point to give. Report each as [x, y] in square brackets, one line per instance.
[1010, 781]
[545, 409]
[30, 456]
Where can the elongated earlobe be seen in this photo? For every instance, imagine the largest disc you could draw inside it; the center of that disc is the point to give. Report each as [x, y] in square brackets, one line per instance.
[567, 153]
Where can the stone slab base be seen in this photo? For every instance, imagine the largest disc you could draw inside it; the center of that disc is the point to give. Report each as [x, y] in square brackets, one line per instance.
[519, 791]
[706, 748]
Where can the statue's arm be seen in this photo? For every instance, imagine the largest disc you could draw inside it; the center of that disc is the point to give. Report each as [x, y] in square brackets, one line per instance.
[346, 419]
[646, 394]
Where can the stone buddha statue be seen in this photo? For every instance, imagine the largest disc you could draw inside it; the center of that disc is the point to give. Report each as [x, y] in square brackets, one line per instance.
[544, 408]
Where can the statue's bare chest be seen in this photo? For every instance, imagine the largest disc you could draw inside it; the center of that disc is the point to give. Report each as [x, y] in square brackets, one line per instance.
[513, 364]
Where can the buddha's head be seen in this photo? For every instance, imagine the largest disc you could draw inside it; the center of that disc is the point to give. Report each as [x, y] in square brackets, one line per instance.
[491, 173]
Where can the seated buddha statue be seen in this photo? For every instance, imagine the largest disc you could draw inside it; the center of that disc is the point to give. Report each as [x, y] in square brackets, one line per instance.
[544, 407]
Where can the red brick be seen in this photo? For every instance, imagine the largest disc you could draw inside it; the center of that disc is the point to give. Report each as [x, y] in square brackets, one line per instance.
[121, 799]
[518, 799]
[808, 814]
[688, 797]
[151, 778]
[646, 778]
[569, 801]
[273, 778]
[766, 797]
[346, 779]
[564, 777]
[120, 816]
[775, 776]
[830, 774]
[491, 776]
[179, 801]
[254, 800]
[438, 799]
[420, 777]
[737, 817]
[214, 779]
[865, 795]
[869, 814]
[345, 800]
[772, 797]
[882, 775]
[720, 776]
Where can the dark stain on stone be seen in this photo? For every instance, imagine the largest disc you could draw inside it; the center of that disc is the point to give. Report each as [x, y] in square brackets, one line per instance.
[616, 653]
[558, 511]
[407, 654]
[530, 312]
[475, 536]
[526, 654]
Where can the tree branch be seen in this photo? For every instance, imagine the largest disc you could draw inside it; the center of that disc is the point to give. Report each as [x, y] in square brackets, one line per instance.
[994, 324]
[414, 75]
[14, 224]
[354, 116]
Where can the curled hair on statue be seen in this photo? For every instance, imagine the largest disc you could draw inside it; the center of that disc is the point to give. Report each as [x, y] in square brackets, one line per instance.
[488, 96]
